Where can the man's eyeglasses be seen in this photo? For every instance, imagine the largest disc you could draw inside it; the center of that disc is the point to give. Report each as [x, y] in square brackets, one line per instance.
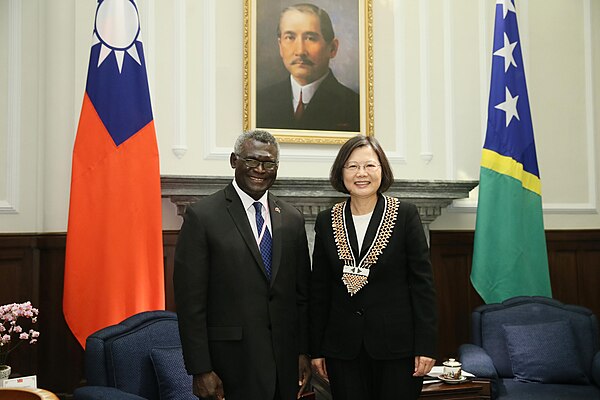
[354, 167]
[252, 163]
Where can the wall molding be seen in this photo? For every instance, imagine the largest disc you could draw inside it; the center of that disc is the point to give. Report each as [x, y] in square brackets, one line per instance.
[590, 105]
[209, 82]
[179, 146]
[425, 63]
[448, 28]
[312, 195]
[10, 205]
[400, 114]
[148, 34]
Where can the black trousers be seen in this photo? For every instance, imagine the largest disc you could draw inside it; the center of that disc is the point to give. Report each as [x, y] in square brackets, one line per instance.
[364, 378]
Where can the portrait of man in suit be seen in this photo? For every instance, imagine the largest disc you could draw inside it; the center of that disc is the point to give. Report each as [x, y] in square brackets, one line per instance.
[311, 97]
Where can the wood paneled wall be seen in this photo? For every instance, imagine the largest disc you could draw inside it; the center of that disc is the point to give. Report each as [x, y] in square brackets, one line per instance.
[32, 267]
[574, 262]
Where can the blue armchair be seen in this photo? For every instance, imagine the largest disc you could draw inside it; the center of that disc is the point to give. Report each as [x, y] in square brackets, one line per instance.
[140, 358]
[535, 348]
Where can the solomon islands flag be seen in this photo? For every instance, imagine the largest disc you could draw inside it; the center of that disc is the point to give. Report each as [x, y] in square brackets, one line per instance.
[509, 254]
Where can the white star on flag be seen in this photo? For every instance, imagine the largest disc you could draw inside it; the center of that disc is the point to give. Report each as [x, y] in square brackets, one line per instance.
[507, 5]
[507, 53]
[509, 107]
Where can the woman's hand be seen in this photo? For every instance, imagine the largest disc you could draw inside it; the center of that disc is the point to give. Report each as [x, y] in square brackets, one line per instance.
[423, 365]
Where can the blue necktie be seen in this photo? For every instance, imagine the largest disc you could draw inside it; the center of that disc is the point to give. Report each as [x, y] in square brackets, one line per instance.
[266, 243]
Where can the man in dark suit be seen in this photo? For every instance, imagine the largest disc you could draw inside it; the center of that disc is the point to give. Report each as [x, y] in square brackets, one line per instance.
[241, 284]
[312, 98]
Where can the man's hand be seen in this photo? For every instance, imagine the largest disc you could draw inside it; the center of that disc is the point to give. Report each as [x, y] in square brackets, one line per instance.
[304, 373]
[423, 365]
[208, 386]
[319, 365]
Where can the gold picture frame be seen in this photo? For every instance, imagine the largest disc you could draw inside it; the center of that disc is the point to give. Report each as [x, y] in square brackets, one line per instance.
[351, 65]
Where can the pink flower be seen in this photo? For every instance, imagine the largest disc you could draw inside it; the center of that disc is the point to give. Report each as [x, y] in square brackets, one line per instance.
[10, 315]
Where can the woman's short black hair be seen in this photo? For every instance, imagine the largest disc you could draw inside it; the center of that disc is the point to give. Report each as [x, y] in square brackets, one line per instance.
[336, 175]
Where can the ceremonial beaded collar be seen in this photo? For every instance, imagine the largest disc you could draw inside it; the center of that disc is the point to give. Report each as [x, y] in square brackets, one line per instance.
[357, 271]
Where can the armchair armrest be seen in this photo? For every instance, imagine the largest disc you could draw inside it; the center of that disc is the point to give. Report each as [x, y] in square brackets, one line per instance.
[596, 368]
[103, 393]
[475, 360]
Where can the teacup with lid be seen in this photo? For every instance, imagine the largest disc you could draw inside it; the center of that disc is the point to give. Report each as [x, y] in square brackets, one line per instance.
[452, 369]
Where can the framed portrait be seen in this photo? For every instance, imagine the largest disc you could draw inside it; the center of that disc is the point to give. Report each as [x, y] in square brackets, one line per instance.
[308, 69]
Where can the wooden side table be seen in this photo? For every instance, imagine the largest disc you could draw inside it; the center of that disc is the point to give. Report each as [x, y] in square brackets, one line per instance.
[474, 389]
[26, 394]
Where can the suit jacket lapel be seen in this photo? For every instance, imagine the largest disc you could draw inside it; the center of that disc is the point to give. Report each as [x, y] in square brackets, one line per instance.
[325, 99]
[276, 224]
[371, 229]
[240, 219]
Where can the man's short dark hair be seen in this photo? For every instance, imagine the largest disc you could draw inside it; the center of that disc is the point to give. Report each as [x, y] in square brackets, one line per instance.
[336, 175]
[259, 135]
[325, 21]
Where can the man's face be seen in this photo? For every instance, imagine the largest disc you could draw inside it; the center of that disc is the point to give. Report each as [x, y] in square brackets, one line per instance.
[254, 181]
[302, 47]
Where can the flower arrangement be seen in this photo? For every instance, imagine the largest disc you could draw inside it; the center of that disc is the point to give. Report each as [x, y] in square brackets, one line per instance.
[12, 333]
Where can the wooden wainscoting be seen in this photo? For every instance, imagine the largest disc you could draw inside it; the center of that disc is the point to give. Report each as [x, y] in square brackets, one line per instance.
[32, 268]
[574, 261]
[451, 254]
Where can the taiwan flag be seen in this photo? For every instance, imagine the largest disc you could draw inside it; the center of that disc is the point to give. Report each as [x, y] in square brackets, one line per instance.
[114, 258]
[509, 253]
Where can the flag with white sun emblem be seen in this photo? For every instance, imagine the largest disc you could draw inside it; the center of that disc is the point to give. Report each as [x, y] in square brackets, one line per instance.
[114, 258]
[509, 254]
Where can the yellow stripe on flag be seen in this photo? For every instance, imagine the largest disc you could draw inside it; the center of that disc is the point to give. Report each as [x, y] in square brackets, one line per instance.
[508, 166]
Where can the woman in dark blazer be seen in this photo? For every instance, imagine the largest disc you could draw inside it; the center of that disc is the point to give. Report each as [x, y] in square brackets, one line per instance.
[372, 305]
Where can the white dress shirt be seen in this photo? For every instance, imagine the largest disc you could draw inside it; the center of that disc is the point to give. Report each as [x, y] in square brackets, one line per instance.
[248, 203]
[361, 223]
[308, 91]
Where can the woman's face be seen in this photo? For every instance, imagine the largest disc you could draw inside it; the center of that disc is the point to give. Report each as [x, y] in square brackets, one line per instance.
[362, 173]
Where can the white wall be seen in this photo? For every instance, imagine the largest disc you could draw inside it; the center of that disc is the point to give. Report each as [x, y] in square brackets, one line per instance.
[431, 69]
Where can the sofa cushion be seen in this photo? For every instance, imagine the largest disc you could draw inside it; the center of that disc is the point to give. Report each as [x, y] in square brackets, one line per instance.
[545, 353]
[510, 389]
[174, 383]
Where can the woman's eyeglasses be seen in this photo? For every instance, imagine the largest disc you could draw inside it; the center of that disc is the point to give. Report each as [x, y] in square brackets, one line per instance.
[354, 167]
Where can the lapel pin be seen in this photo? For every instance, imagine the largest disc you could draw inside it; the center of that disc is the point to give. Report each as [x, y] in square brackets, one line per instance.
[277, 210]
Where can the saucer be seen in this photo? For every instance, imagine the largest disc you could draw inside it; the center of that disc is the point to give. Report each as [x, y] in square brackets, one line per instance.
[452, 380]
